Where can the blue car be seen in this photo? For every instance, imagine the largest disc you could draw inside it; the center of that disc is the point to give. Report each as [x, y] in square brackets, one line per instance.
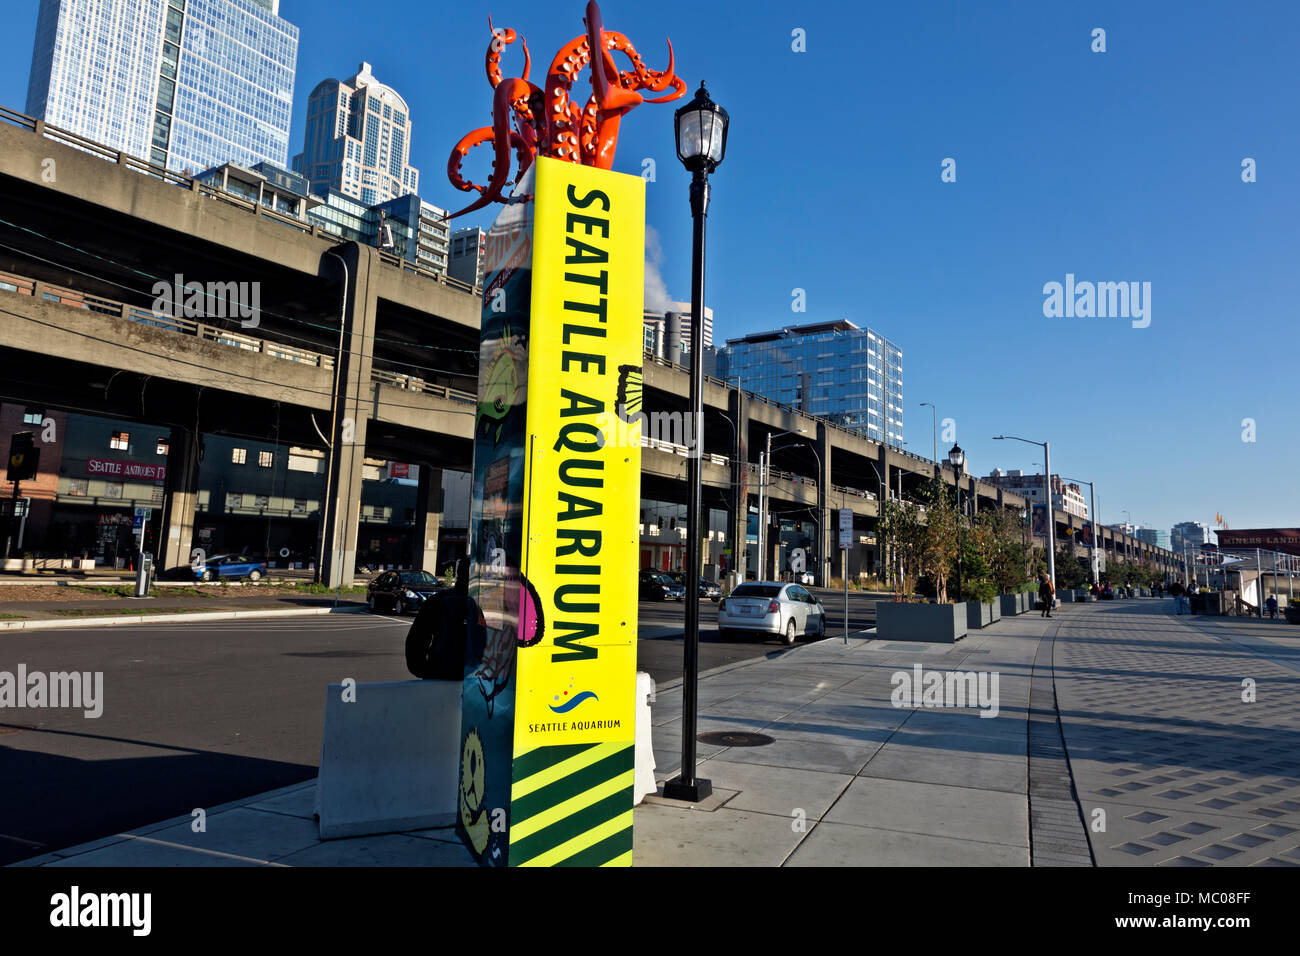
[227, 566]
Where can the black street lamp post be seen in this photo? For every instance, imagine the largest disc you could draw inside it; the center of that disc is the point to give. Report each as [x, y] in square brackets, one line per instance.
[701, 146]
[957, 458]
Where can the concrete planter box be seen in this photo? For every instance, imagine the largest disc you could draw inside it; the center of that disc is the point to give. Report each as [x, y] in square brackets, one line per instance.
[995, 610]
[931, 623]
[979, 615]
[1065, 597]
[1011, 604]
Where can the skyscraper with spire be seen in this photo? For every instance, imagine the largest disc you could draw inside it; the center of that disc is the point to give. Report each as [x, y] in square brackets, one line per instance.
[358, 140]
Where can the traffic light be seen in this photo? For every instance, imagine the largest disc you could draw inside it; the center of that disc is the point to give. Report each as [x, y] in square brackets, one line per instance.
[24, 457]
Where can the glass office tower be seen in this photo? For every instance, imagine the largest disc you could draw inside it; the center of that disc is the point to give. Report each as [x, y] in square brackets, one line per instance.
[187, 84]
[836, 370]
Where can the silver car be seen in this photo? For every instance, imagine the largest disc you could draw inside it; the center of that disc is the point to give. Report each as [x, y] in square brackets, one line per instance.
[770, 607]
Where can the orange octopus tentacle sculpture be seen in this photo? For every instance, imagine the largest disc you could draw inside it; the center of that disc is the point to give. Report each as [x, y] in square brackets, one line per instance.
[547, 122]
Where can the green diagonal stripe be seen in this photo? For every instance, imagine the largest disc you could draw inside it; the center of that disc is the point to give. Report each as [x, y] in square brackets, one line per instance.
[561, 831]
[570, 786]
[602, 852]
[525, 765]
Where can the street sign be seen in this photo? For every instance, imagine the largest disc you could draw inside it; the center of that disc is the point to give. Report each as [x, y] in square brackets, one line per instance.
[846, 527]
[142, 515]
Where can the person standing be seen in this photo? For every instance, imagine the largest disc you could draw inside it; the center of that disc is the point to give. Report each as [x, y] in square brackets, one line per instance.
[1271, 604]
[1046, 593]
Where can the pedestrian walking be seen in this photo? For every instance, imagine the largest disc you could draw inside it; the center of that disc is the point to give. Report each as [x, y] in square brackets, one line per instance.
[1046, 593]
[1179, 593]
[1271, 604]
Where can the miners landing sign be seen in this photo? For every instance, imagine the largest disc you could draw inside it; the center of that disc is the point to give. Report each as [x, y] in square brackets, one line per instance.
[1286, 540]
[110, 468]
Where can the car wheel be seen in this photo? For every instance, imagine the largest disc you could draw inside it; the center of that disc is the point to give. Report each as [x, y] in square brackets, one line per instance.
[372, 604]
[254, 575]
[399, 607]
[789, 632]
[207, 575]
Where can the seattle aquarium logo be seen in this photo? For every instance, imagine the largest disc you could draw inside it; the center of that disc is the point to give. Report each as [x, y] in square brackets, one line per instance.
[572, 701]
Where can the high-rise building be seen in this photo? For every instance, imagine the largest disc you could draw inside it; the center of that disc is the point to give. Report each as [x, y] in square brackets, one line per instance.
[837, 370]
[468, 248]
[358, 140]
[406, 227]
[186, 84]
[1155, 537]
[1066, 496]
[1188, 536]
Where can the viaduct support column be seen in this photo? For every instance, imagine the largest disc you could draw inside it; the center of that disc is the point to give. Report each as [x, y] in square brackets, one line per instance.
[738, 411]
[352, 395]
[180, 499]
[428, 520]
[825, 550]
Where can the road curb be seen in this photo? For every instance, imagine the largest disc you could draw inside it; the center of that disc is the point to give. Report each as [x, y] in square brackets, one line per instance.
[724, 668]
[80, 622]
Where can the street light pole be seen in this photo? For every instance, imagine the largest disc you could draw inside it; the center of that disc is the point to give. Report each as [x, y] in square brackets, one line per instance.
[957, 458]
[934, 421]
[701, 127]
[1047, 485]
[1092, 517]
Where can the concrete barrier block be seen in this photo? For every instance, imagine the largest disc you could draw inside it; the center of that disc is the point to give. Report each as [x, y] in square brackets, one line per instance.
[643, 780]
[390, 759]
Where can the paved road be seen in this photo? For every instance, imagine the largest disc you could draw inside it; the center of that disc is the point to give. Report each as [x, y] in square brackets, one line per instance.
[203, 713]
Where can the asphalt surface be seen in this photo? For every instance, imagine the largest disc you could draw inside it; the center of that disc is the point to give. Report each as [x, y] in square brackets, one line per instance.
[198, 714]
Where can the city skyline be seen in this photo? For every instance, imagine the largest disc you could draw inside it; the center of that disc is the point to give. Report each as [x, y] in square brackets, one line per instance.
[1140, 180]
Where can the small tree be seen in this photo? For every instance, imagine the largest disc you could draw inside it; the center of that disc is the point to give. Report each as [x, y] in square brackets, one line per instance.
[899, 529]
[999, 536]
[938, 552]
[1070, 573]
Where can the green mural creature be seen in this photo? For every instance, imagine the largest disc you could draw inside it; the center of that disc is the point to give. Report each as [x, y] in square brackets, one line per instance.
[502, 384]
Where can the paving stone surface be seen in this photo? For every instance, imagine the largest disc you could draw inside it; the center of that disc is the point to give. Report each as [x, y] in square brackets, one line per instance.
[1160, 738]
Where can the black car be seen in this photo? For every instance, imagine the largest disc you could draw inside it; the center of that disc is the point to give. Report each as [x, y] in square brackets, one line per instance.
[708, 590]
[401, 591]
[657, 586]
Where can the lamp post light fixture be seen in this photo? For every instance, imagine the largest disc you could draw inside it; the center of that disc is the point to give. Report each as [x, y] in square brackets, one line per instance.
[957, 458]
[701, 127]
[1047, 486]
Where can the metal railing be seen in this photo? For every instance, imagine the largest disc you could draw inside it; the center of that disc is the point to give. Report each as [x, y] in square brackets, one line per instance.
[413, 383]
[127, 161]
[69, 298]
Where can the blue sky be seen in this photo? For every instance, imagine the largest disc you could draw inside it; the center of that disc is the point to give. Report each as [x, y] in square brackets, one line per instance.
[1115, 166]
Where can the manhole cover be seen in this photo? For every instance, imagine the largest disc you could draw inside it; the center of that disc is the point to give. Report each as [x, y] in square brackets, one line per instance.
[735, 738]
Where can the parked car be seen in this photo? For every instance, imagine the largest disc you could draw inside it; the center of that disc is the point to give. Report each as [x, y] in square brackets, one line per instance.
[401, 591]
[708, 589]
[657, 586]
[770, 607]
[229, 566]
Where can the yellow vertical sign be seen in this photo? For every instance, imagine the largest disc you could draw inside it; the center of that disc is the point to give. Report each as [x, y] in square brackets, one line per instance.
[571, 793]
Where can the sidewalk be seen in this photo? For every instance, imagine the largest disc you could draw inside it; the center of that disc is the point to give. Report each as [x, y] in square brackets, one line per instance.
[80, 604]
[1160, 739]
[847, 779]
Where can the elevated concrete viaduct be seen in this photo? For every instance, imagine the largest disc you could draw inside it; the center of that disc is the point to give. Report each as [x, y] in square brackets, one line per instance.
[348, 347]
